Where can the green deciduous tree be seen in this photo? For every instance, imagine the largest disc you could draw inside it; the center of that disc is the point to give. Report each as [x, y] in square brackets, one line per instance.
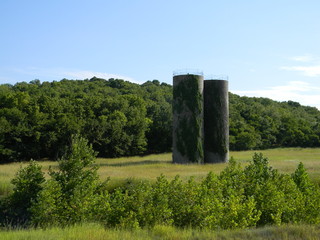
[69, 196]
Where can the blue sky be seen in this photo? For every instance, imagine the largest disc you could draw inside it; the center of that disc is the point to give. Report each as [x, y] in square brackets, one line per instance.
[268, 48]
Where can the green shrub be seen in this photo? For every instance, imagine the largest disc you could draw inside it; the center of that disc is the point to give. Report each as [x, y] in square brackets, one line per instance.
[68, 197]
[156, 209]
[277, 195]
[15, 209]
[47, 210]
[311, 196]
[139, 204]
[184, 203]
[238, 209]
[255, 195]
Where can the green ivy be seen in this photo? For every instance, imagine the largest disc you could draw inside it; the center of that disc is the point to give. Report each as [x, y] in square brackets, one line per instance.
[187, 97]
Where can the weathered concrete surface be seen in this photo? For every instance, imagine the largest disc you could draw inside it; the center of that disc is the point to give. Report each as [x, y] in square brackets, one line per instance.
[216, 121]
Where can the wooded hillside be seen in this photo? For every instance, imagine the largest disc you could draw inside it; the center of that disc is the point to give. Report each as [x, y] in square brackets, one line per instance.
[122, 118]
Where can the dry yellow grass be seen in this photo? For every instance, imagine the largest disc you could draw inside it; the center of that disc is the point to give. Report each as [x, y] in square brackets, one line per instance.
[151, 166]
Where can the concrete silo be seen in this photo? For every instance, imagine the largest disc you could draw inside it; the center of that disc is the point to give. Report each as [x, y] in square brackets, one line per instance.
[188, 118]
[216, 121]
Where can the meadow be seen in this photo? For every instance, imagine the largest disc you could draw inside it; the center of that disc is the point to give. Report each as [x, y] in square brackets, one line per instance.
[97, 232]
[150, 167]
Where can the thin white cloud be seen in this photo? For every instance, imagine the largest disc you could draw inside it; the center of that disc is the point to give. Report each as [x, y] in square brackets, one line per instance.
[310, 65]
[293, 86]
[310, 71]
[303, 58]
[297, 91]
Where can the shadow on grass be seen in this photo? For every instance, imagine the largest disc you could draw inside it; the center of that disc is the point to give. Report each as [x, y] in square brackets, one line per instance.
[132, 163]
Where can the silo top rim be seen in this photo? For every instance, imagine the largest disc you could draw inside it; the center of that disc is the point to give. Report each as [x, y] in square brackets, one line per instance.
[188, 72]
[216, 77]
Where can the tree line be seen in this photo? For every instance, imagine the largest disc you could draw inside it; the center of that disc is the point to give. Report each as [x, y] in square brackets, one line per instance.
[120, 118]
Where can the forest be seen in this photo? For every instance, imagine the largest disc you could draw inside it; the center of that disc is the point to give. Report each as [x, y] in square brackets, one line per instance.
[120, 118]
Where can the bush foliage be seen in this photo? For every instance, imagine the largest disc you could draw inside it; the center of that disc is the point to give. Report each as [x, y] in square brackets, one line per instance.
[237, 198]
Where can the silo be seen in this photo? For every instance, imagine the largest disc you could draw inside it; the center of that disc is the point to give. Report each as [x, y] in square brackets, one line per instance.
[216, 121]
[188, 118]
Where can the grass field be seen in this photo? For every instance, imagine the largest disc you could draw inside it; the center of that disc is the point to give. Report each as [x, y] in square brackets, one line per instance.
[151, 166]
[97, 232]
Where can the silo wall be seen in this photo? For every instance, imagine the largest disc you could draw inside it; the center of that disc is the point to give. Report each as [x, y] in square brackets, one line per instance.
[188, 119]
[216, 121]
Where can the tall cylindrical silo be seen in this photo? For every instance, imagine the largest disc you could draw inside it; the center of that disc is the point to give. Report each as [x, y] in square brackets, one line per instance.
[216, 121]
[188, 118]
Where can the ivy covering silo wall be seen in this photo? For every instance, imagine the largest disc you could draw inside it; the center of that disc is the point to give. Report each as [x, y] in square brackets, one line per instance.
[188, 119]
[216, 121]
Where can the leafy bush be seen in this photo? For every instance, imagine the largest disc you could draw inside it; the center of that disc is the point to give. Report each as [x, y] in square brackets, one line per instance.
[311, 196]
[15, 209]
[255, 195]
[69, 195]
